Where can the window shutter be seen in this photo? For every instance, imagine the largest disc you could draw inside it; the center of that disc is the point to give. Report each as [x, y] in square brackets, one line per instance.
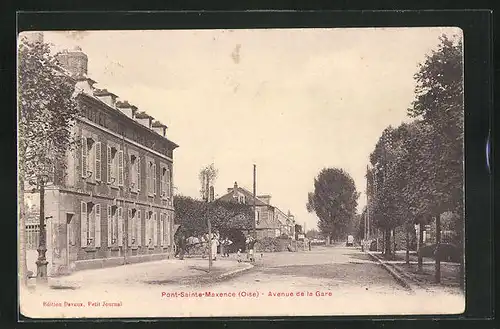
[120, 168]
[83, 224]
[169, 230]
[138, 164]
[162, 226]
[147, 226]
[84, 157]
[161, 183]
[110, 223]
[154, 178]
[110, 162]
[97, 225]
[138, 222]
[168, 188]
[120, 226]
[130, 225]
[98, 161]
[155, 229]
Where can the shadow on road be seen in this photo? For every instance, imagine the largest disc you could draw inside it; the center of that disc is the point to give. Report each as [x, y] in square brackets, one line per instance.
[365, 257]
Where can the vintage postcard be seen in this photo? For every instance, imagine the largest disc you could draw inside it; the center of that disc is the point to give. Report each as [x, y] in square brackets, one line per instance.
[252, 172]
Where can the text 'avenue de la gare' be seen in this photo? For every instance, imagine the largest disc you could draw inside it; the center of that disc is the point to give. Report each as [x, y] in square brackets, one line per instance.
[243, 294]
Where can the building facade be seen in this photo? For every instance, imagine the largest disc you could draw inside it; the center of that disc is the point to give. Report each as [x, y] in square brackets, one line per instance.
[270, 221]
[113, 201]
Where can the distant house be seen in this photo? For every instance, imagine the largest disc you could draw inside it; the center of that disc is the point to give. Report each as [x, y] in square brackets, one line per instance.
[270, 220]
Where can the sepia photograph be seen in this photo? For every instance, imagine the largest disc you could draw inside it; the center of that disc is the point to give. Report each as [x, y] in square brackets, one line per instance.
[240, 173]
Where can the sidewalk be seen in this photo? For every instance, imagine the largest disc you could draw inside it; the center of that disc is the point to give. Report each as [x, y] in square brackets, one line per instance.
[410, 274]
[163, 272]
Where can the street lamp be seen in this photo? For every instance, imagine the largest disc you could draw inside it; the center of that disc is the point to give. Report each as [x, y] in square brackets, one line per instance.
[41, 263]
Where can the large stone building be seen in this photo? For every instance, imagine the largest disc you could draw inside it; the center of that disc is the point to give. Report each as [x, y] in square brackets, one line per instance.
[270, 220]
[113, 203]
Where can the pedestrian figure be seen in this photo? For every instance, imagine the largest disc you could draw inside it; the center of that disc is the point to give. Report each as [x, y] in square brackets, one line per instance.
[250, 243]
[214, 242]
[225, 247]
[181, 246]
[238, 256]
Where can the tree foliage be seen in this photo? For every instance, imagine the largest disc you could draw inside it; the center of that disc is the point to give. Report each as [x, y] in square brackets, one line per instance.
[418, 167]
[46, 111]
[334, 201]
[192, 215]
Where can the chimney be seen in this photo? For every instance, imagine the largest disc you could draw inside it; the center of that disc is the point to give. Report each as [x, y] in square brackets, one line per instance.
[235, 190]
[75, 61]
[159, 128]
[126, 108]
[84, 84]
[265, 198]
[31, 37]
[143, 119]
[106, 96]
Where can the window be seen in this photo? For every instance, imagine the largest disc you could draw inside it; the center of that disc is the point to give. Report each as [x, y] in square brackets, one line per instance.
[120, 168]
[135, 173]
[242, 199]
[32, 236]
[165, 185]
[115, 164]
[90, 224]
[138, 171]
[98, 161]
[151, 178]
[155, 229]
[85, 156]
[162, 229]
[131, 227]
[138, 227]
[115, 226]
[150, 229]
[110, 173]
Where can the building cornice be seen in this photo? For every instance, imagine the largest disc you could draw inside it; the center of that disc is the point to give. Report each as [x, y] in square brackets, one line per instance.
[106, 130]
[122, 116]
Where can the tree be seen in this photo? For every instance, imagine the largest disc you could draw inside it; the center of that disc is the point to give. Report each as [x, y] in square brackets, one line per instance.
[192, 214]
[208, 172]
[334, 201]
[46, 113]
[439, 103]
[313, 234]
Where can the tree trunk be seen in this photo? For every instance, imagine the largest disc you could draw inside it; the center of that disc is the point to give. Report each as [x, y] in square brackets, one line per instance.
[387, 242]
[383, 242]
[407, 257]
[394, 240]
[437, 255]
[22, 265]
[421, 244]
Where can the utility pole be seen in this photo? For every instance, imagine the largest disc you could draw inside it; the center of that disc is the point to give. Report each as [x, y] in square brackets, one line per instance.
[41, 263]
[209, 224]
[255, 201]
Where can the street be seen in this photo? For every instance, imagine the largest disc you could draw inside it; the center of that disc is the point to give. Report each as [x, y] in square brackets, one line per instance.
[324, 281]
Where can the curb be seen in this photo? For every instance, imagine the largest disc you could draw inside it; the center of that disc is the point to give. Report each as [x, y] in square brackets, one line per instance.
[234, 272]
[395, 273]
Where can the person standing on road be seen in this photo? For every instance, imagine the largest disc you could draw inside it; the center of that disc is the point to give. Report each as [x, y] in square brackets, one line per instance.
[250, 244]
[181, 246]
[213, 244]
[227, 243]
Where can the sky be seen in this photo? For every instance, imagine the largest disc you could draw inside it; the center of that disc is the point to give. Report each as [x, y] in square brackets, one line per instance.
[290, 101]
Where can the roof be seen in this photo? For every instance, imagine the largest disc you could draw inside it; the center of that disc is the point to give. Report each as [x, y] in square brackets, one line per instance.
[103, 92]
[248, 195]
[143, 115]
[158, 124]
